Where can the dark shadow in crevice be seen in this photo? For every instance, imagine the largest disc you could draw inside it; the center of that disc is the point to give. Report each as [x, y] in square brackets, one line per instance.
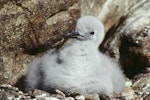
[133, 63]
[20, 84]
[34, 50]
[111, 33]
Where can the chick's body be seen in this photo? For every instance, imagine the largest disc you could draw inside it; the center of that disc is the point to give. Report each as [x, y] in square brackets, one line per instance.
[79, 67]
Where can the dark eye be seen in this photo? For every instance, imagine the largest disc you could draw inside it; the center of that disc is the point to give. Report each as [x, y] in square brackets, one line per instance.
[92, 33]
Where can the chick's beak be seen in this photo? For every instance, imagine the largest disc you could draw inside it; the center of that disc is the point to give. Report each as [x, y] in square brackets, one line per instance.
[74, 34]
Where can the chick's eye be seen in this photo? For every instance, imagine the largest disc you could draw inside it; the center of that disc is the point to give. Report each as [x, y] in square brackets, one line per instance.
[92, 33]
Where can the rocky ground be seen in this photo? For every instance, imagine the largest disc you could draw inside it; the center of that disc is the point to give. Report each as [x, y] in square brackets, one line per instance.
[137, 88]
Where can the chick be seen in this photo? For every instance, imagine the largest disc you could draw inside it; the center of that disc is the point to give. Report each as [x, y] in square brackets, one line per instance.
[79, 67]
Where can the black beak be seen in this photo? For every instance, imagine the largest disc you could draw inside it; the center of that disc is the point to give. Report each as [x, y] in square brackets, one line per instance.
[74, 34]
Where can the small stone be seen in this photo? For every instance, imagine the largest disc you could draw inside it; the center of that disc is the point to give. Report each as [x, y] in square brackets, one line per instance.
[69, 98]
[38, 92]
[60, 92]
[41, 96]
[129, 94]
[5, 85]
[58, 96]
[80, 97]
[51, 98]
[92, 97]
[128, 83]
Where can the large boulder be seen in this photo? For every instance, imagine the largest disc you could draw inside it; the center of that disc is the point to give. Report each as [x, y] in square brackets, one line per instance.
[129, 40]
[28, 27]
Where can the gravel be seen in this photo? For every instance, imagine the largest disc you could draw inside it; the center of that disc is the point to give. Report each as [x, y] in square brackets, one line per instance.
[136, 89]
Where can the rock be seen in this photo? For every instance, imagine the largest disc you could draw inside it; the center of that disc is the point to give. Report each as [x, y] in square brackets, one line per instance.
[60, 92]
[40, 93]
[49, 98]
[92, 97]
[141, 84]
[109, 11]
[129, 94]
[69, 98]
[80, 97]
[128, 83]
[128, 40]
[30, 27]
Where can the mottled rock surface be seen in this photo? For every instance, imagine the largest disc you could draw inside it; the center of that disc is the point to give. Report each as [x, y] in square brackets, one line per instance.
[129, 40]
[109, 11]
[28, 27]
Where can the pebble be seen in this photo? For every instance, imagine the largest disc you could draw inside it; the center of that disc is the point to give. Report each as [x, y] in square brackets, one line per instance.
[129, 94]
[69, 98]
[80, 97]
[51, 98]
[128, 83]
